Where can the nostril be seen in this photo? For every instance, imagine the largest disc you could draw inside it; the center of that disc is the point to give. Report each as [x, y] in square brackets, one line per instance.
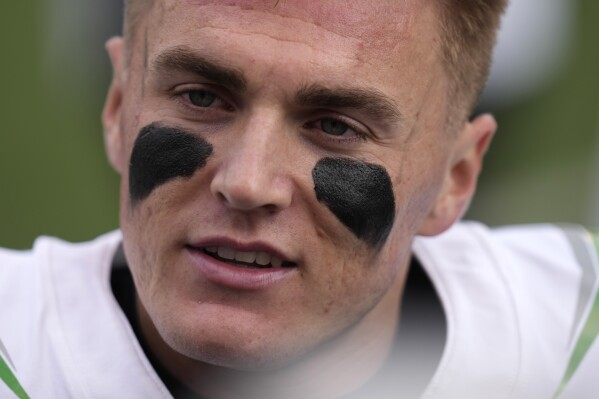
[271, 208]
[221, 197]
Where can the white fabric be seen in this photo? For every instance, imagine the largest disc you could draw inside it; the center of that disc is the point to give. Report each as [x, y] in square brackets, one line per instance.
[64, 330]
[510, 298]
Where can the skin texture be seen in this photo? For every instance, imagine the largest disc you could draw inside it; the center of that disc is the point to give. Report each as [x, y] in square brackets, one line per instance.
[359, 194]
[277, 75]
[163, 153]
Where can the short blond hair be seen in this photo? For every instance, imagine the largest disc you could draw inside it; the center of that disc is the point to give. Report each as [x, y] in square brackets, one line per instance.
[468, 34]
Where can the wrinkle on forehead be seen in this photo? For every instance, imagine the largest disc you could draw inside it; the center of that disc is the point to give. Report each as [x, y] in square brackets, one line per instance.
[360, 33]
[392, 41]
[380, 23]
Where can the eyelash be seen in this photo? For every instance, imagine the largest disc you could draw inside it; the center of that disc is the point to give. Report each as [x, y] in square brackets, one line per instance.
[360, 133]
[182, 96]
[358, 136]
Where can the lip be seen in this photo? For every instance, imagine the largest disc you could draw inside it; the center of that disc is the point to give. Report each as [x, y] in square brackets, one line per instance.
[224, 274]
[241, 246]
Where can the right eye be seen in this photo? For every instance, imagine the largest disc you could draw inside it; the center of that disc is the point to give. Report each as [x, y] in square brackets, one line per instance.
[334, 127]
[203, 98]
[202, 102]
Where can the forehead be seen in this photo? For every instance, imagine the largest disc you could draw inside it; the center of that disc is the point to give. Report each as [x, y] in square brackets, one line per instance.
[380, 25]
[342, 18]
[391, 46]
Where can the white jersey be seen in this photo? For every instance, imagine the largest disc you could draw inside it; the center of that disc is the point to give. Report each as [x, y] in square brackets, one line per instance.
[522, 310]
[521, 305]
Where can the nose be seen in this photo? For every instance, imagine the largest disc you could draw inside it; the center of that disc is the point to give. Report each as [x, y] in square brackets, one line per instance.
[252, 172]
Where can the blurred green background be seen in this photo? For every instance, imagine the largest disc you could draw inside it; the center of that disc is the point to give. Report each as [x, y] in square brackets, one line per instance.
[543, 165]
[55, 179]
[53, 173]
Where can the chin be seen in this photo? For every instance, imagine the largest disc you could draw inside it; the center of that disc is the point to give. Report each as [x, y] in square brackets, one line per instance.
[234, 355]
[239, 346]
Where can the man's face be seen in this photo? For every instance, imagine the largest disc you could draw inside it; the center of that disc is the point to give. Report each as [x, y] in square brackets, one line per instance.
[308, 137]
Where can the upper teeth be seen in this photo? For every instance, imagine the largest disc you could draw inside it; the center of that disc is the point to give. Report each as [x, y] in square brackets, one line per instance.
[261, 258]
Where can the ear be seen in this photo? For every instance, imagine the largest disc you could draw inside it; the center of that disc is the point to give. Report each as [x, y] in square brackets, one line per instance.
[111, 115]
[460, 181]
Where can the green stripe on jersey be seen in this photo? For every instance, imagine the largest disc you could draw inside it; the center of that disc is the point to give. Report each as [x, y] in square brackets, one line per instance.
[10, 380]
[582, 245]
[589, 332]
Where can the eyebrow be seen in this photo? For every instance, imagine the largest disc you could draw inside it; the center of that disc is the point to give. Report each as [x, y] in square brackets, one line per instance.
[184, 59]
[371, 101]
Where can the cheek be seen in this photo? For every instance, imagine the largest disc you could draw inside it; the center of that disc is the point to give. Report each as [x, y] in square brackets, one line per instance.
[160, 154]
[359, 194]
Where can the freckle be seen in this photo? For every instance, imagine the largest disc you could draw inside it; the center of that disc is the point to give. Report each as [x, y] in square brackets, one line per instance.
[328, 306]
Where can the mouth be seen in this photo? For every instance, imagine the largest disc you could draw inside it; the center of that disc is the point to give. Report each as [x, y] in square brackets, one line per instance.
[241, 266]
[245, 259]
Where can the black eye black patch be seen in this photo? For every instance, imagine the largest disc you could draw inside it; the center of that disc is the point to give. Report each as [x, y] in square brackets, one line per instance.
[162, 153]
[359, 194]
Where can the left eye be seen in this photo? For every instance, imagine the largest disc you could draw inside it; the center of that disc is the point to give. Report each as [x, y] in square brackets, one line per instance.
[333, 127]
[201, 98]
[338, 129]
